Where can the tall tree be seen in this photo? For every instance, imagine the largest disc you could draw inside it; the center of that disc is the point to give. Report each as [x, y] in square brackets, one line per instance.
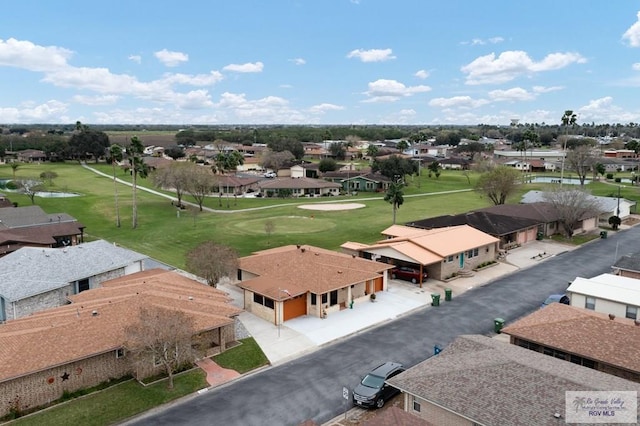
[395, 166]
[498, 183]
[582, 160]
[395, 196]
[14, 168]
[163, 337]
[139, 169]
[174, 177]
[85, 140]
[573, 206]
[212, 262]
[115, 156]
[199, 182]
[568, 119]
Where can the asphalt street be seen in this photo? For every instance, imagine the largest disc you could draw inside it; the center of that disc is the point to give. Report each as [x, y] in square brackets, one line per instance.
[310, 387]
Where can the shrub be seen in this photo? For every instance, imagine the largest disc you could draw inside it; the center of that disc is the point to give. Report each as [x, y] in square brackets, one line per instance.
[618, 180]
[609, 175]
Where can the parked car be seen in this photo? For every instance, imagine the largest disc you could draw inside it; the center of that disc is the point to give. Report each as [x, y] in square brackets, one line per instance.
[556, 298]
[270, 175]
[407, 274]
[372, 391]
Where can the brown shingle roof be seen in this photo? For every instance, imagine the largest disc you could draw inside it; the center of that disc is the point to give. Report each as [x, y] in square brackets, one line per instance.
[307, 268]
[582, 332]
[494, 383]
[72, 332]
[297, 183]
[395, 416]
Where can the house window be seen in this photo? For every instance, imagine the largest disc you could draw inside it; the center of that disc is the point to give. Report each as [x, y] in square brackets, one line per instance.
[268, 303]
[120, 353]
[590, 303]
[239, 274]
[313, 298]
[258, 298]
[450, 258]
[334, 298]
[632, 312]
[324, 298]
[83, 285]
[416, 405]
[472, 253]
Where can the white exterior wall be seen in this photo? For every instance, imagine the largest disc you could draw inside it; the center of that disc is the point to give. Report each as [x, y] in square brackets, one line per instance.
[602, 305]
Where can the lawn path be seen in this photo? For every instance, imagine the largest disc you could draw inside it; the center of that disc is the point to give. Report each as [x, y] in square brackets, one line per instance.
[173, 198]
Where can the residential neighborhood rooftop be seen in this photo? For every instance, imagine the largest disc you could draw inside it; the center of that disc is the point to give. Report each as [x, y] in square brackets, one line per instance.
[609, 287]
[492, 382]
[30, 271]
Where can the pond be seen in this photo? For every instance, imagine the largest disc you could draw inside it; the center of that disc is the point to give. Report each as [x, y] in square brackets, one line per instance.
[551, 179]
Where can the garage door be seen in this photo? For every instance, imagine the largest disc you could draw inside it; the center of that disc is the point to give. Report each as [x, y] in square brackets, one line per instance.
[378, 284]
[295, 307]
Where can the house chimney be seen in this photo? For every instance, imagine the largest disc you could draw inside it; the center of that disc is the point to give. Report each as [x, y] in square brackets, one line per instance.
[612, 317]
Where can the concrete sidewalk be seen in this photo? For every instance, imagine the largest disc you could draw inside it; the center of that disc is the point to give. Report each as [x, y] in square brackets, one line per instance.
[302, 335]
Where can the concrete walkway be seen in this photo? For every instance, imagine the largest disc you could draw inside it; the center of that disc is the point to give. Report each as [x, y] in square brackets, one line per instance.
[216, 375]
[302, 335]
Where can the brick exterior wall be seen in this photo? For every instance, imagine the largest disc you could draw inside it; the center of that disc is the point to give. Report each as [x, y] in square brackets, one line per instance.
[41, 388]
[51, 299]
[38, 389]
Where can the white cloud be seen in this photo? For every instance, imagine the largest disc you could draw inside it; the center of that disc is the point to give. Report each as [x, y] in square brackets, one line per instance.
[636, 66]
[632, 35]
[298, 61]
[248, 67]
[322, 108]
[171, 59]
[372, 55]
[286, 86]
[457, 102]
[271, 109]
[96, 100]
[49, 112]
[481, 42]
[29, 56]
[135, 58]
[194, 80]
[543, 89]
[422, 74]
[391, 90]
[513, 94]
[490, 69]
[195, 99]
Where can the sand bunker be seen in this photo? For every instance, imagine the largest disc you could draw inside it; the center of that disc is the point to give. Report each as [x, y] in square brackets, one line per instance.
[332, 206]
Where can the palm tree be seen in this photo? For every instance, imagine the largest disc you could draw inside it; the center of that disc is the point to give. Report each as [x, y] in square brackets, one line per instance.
[116, 155]
[568, 119]
[138, 169]
[395, 196]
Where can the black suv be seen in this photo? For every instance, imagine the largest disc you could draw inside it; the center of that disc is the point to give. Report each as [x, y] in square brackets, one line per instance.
[372, 390]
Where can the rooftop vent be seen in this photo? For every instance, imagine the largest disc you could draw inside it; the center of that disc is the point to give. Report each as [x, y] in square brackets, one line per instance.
[94, 313]
[303, 250]
[612, 317]
[190, 297]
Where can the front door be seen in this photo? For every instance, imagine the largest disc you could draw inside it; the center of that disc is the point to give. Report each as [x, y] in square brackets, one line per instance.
[461, 260]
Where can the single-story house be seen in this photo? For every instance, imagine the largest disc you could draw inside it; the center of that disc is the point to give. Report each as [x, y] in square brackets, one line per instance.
[33, 279]
[545, 214]
[628, 266]
[82, 344]
[441, 252]
[509, 229]
[31, 226]
[544, 155]
[477, 380]
[229, 184]
[608, 206]
[581, 336]
[607, 293]
[31, 156]
[588, 222]
[291, 281]
[299, 187]
[454, 163]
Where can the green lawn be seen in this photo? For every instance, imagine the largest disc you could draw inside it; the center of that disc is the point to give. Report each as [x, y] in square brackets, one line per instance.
[246, 357]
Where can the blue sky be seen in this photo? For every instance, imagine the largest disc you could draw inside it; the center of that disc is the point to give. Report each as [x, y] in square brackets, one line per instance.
[422, 62]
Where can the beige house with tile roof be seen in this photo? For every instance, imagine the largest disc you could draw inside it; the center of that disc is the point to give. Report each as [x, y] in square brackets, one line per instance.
[291, 281]
[441, 252]
[477, 380]
[80, 345]
[581, 336]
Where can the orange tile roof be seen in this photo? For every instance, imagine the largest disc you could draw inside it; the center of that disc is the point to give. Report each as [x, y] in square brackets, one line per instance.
[428, 246]
[307, 268]
[72, 332]
[582, 332]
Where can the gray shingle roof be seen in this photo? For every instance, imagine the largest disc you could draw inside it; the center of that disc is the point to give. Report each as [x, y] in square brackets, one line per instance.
[30, 271]
[495, 383]
[17, 217]
[630, 262]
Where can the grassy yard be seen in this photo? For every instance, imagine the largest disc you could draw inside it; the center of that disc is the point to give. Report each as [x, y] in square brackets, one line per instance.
[129, 398]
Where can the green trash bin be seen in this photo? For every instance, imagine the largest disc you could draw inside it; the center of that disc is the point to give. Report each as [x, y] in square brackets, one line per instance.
[603, 234]
[539, 236]
[447, 294]
[435, 299]
[498, 323]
